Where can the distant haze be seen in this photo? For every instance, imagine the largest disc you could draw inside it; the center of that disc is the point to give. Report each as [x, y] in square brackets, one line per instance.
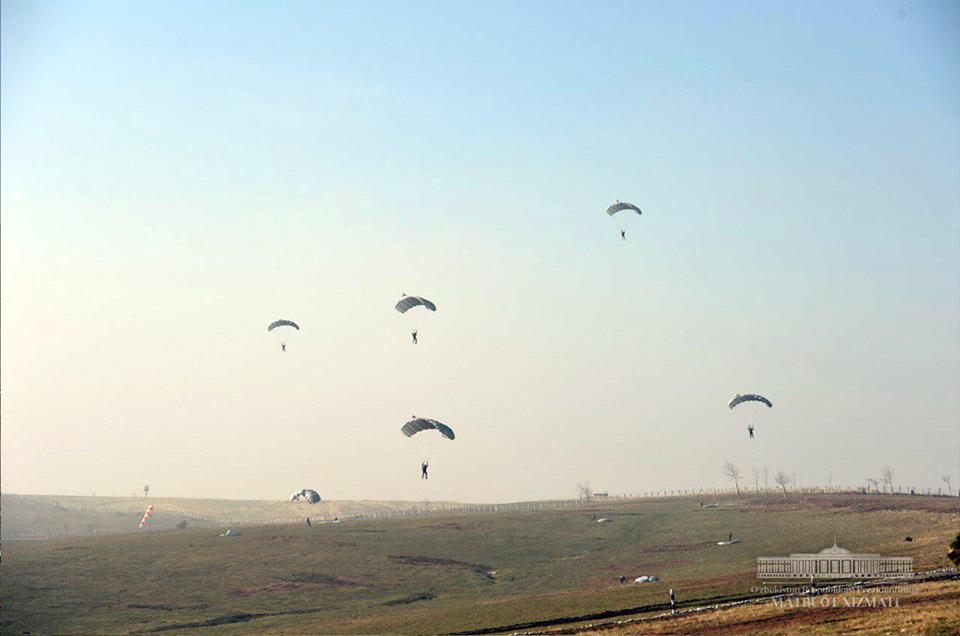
[177, 175]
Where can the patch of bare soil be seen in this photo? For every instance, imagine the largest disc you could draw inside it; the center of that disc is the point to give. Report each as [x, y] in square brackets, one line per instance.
[164, 608]
[316, 578]
[857, 503]
[676, 547]
[483, 570]
[452, 525]
[305, 581]
[413, 598]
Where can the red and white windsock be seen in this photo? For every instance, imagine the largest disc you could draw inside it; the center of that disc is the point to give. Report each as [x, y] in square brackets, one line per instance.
[146, 516]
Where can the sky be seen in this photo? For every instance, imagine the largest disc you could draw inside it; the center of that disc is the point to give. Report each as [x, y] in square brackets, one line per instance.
[177, 175]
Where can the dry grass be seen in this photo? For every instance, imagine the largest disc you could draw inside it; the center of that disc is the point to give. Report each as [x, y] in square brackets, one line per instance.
[434, 575]
[924, 608]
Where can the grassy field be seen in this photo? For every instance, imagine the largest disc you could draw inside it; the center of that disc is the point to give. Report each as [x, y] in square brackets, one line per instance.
[441, 573]
[45, 516]
[927, 608]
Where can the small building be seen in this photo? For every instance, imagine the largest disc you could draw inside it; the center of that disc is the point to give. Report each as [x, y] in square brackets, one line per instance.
[834, 563]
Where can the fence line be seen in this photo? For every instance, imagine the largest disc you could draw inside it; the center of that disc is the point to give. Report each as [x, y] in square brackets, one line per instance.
[568, 504]
[429, 509]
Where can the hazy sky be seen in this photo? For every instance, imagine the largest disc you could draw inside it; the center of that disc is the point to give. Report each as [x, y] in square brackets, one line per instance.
[176, 175]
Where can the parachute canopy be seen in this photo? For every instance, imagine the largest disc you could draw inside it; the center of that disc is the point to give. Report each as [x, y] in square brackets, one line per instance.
[418, 424]
[620, 206]
[749, 397]
[409, 302]
[282, 323]
[311, 496]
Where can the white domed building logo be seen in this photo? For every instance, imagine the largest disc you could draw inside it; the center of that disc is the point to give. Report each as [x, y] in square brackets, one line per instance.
[834, 563]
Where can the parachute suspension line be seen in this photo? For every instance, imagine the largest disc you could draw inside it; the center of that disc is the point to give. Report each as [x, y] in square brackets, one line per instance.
[420, 448]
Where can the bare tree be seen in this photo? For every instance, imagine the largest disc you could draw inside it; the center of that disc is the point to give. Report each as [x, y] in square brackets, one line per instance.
[766, 479]
[886, 476]
[782, 479]
[732, 471]
[584, 490]
[755, 472]
[946, 480]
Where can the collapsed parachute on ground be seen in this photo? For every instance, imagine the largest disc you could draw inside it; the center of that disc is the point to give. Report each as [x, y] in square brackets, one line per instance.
[308, 495]
[419, 424]
[954, 553]
[407, 303]
[750, 397]
[620, 207]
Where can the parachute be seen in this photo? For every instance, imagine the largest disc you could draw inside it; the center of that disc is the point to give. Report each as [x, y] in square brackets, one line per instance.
[283, 329]
[424, 441]
[407, 303]
[311, 496]
[749, 413]
[749, 397]
[620, 206]
[282, 323]
[419, 424]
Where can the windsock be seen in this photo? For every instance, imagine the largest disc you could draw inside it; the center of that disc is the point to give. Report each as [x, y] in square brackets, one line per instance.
[146, 516]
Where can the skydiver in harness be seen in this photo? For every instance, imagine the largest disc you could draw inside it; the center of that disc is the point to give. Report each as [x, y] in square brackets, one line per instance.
[283, 347]
[750, 430]
[413, 334]
[423, 470]
[623, 235]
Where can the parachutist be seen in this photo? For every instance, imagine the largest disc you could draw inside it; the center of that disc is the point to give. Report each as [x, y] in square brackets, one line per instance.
[750, 430]
[623, 235]
[286, 328]
[407, 303]
[423, 470]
